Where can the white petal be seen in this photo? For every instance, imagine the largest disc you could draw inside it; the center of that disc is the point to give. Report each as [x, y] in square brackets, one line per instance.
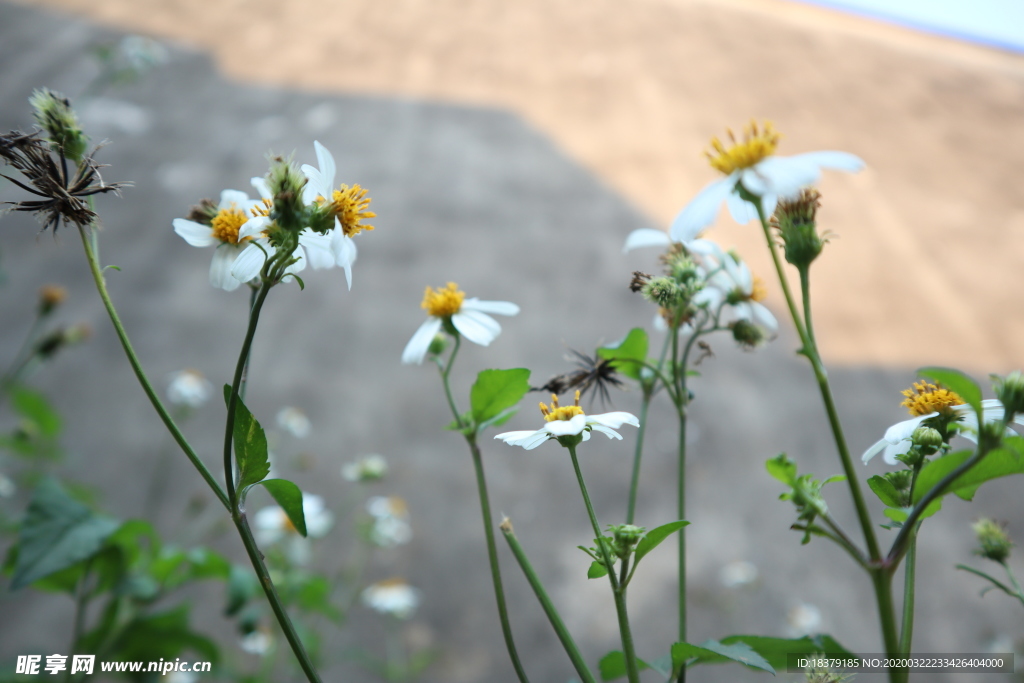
[646, 237]
[299, 265]
[261, 186]
[874, 450]
[236, 198]
[614, 419]
[838, 161]
[196, 234]
[318, 249]
[497, 307]
[328, 169]
[220, 268]
[575, 425]
[248, 264]
[701, 211]
[783, 176]
[611, 433]
[894, 449]
[344, 248]
[477, 327]
[903, 430]
[253, 227]
[315, 187]
[417, 347]
[763, 317]
[740, 209]
[528, 440]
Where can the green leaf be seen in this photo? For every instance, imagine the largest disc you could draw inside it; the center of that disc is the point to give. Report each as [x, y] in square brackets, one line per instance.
[713, 652]
[164, 635]
[613, 665]
[496, 391]
[957, 382]
[900, 514]
[1001, 462]
[885, 491]
[250, 444]
[654, 537]
[56, 533]
[289, 497]
[597, 570]
[628, 354]
[782, 468]
[314, 595]
[35, 407]
[776, 651]
[242, 586]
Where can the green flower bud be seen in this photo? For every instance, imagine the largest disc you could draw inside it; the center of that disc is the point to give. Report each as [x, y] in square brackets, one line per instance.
[53, 113]
[663, 291]
[286, 183]
[1010, 391]
[747, 334]
[900, 479]
[437, 345]
[795, 223]
[927, 439]
[993, 539]
[624, 539]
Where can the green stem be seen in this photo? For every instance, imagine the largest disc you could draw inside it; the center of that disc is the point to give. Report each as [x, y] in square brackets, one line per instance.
[133, 360]
[635, 479]
[1013, 580]
[619, 592]
[549, 608]
[882, 581]
[236, 383]
[909, 570]
[256, 557]
[445, 372]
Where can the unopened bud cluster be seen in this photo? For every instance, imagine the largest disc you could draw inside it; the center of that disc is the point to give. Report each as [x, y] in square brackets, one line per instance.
[1010, 392]
[624, 539]
[993, 540]
[54, 115]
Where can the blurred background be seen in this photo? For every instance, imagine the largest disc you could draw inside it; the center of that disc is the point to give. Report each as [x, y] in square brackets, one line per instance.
[511, 148]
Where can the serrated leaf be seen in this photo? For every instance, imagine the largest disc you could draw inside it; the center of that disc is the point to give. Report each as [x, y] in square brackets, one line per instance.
[289, 497]
[250, 444]
[782, 468]
[1001, 462]
[496, 391]
[613, 665]
[56, 533]
[715, 652]
[957, 382]
[654, 537]
[36, 408]
[628, 354]
[885, 491]
[597, 570]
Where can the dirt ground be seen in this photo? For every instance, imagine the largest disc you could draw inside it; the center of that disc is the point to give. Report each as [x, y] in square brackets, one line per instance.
[512, 147]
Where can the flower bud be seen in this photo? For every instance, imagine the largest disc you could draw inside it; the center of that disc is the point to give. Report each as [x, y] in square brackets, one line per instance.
[53, 113]
[927, 439]
[747, 334]
[795, 223]
[624, 539]
[900, 479]
[993, 539]
[663, 291]
[286, 183]
[50, 297]
[1010, 391]
[437, 345]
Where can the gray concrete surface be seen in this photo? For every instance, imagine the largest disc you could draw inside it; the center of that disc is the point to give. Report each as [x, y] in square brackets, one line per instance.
[478, 197]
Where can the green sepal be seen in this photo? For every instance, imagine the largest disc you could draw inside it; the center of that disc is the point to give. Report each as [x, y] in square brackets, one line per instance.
[629, 354]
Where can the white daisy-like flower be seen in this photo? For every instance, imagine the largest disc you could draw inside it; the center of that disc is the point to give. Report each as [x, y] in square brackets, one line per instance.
[733, 285]
[258, 642]
[752, 164]
[390, 521]
[468, 317]
[348, 204]
[738, 573]
[188, 388]
[293, 421]
[925, 401]
[803, 619]
[392, 597]
[370, 468]
[272, 525]
[569, 421]
[223, 231]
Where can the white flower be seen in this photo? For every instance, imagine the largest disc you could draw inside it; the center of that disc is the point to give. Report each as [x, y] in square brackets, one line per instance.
[390, 521]
[348, 204]
[184, 676]
[751, 163]
[569, 421]
[734, 285]
[188, 388]
[468, 316]
[739, 573]
[365, 469]
[256, 643]
[803, 619]
[293, 421]
[223, 230]
[7, 486]
[272, 525]
[924, 402]
[393, 597]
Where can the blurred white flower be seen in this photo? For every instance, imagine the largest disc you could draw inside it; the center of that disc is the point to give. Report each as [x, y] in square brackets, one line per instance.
[272, 525]
[7, 486]
[188, 388]
[469, 317]
[739, 573]
[181, 677]
[256, 643]
[390, 521]
[393, 597]
[803, 619]
[293, 421]
[369, 468]
[568, 421]
[142, 53]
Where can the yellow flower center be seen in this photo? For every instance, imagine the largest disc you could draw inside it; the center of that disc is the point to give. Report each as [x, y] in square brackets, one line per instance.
[556, 412]
[226, 224]
[758, 292]
[443, 303]
[757, 144]
[350, 205]
[264, 210]
[926, 398]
